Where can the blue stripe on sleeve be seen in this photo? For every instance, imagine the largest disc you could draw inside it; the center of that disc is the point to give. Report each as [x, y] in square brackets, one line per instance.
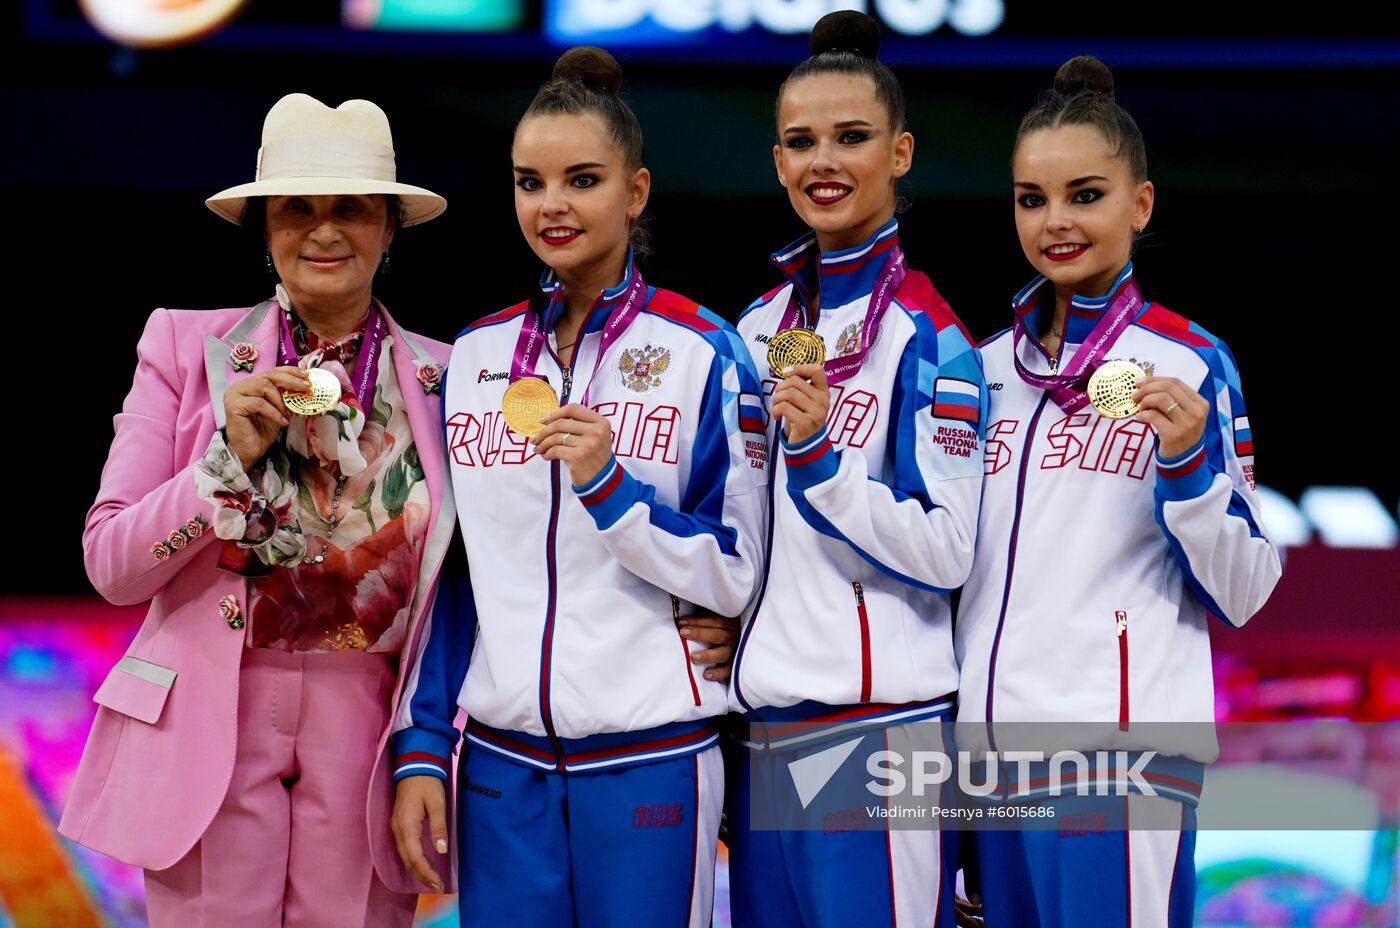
[812, 462]
[442, 668]
[1185, 476]
[709, 467]
[910, 398]
[608, 496]
[818, 522]
[1214, 463]
[615, 491]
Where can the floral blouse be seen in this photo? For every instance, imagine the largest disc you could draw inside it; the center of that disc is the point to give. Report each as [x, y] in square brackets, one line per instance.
[275, 518]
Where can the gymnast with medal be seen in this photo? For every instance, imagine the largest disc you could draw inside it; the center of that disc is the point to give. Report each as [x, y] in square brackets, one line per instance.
[603, 455]
[1118, 515]
[875, 432]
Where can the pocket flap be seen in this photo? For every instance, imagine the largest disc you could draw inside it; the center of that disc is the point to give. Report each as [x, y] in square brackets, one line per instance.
[136, 688]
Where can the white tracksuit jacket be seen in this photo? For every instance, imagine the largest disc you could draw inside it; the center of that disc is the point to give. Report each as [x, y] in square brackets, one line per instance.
[872, 520]
[1097, 560]
[577, 661]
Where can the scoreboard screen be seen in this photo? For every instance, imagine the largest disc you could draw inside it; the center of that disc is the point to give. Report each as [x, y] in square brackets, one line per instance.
[950, 33]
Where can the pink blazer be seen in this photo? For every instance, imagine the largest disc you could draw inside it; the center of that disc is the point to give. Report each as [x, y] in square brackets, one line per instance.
[160, 754]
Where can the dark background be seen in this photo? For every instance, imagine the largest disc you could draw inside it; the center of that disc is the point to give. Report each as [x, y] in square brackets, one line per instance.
[1274, 226]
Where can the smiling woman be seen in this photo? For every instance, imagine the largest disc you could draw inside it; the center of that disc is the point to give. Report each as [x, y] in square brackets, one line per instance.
[628, 510]
[1139, 540]
[326, 250]
[290, 548]
[881, 477]
[838, 156]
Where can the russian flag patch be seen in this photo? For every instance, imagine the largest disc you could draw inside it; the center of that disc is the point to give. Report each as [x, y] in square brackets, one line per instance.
[751, 413]
[956, 399]
[1244, 439]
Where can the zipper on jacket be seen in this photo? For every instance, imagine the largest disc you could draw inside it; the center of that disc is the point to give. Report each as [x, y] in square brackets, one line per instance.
[1011, 561]
[1059, 349]
[547, 642]
[864, 641]
[1122, 624]
[685, 647]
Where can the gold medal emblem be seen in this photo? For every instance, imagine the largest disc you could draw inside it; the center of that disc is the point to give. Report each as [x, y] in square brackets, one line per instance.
[794, 346]
[1111, 389]
[525, 402]
[320, 399]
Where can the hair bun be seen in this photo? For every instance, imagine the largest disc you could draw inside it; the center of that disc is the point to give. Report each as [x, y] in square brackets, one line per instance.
[591, 66]
[846, 31]
[1084, 74]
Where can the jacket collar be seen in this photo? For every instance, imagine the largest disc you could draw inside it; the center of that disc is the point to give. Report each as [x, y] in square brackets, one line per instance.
[840, 277]
[1080, 318]
[424, 412]
[259, 327]
[553, 300]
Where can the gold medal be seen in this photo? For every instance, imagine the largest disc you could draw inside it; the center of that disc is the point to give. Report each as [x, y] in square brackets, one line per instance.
[525, 402]
[791, 347]
[1111, 389]
[321, 398]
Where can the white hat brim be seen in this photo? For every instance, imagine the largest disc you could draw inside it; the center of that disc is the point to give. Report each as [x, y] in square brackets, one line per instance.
[419, 205]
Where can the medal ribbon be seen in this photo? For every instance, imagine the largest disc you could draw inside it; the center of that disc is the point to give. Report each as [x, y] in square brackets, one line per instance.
[1067, 387]
[365, 364]
[530, 344]
[891, 277]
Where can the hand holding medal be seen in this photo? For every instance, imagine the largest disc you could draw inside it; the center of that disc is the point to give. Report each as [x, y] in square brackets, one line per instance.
[1175, 410]
[802, 400]
[579, 437]
[256, 413]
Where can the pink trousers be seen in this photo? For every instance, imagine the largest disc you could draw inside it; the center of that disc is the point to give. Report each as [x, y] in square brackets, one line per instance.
[289, 846]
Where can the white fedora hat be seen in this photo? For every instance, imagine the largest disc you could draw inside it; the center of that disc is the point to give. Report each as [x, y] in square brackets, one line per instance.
[310, 149]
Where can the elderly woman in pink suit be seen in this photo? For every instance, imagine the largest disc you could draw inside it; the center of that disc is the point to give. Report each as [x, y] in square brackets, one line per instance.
[238, 753]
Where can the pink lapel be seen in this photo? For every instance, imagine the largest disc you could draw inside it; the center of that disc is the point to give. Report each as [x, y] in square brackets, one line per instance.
[260, 331]
[424, 412]
[264, 338]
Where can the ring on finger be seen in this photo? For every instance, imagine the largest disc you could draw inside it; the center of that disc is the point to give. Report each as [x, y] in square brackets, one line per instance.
[566, 439]
[1168, 410]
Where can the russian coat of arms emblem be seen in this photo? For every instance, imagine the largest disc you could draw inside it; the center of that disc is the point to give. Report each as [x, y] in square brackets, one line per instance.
[641, 368]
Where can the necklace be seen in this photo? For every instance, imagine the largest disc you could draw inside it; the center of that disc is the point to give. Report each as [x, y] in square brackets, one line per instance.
[331, 522]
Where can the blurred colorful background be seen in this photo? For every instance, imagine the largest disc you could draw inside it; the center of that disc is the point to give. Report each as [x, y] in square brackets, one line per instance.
[55, 651]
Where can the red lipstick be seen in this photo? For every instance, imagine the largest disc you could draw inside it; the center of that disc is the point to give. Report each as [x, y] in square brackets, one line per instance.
[560, 239]
[826, 200]
[1068, 255]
